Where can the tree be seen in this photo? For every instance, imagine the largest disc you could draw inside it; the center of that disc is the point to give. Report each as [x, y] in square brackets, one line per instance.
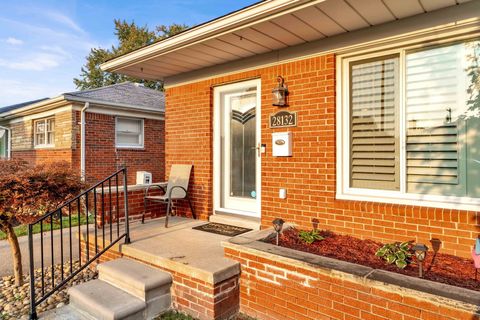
[28, 192]
[130, 37]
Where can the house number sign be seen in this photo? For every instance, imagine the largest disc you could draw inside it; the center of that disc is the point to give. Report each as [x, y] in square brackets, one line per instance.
[283, 119]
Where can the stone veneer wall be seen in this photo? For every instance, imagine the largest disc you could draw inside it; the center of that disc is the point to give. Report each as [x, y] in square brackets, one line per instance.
[64, 150]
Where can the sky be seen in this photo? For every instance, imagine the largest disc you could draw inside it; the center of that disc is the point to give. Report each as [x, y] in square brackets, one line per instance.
[43, 44]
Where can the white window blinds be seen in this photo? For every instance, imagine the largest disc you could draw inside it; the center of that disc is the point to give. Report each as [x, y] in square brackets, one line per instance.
[129, 132]
[435, 99]
[374, 124]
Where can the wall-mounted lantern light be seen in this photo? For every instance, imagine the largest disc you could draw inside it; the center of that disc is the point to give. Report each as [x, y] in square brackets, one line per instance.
[278, 225]
[279, 93]
[421, 253]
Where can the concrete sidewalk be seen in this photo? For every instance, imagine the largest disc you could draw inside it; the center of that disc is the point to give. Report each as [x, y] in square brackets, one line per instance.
[6, 261]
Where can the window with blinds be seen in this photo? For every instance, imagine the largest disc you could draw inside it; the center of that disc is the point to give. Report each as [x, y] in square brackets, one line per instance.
[435, 100]
[374, 129]
[433, 131]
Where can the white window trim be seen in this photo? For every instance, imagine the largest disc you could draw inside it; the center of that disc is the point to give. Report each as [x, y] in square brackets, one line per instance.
[131, 146]
[44, 145]
[343, 189]
[8, 155]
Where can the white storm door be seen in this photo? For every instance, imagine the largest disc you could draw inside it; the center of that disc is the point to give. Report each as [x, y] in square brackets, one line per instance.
[237, 152]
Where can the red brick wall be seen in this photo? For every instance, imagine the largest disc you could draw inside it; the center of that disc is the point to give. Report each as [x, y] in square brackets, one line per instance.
[45, 155]
[273, 289]
[136, 205]
[309, 175]
[103, 158]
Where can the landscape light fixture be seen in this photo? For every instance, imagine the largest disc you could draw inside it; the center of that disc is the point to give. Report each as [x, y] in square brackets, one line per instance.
[279, 93]
[278, 225]
[421, 253]
[436, 244]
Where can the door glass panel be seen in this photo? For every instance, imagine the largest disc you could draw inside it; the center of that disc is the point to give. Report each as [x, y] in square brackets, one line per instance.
[242, 146]
[238, 149]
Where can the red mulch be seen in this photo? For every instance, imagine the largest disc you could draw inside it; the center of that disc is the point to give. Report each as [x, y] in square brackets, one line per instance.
[446, 268]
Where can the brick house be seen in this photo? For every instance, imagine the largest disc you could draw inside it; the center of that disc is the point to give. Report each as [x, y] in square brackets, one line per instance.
[96, 131]
[385, 144]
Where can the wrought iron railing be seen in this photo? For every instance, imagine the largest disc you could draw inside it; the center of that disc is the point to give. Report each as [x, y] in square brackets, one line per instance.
[102, 202]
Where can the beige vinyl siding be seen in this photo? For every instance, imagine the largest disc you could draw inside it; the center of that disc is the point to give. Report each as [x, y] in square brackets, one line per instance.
[374, 101]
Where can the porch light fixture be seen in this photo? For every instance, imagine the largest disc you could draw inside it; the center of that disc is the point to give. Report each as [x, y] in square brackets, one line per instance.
[278, 225]
[279, 93]
[421, 253]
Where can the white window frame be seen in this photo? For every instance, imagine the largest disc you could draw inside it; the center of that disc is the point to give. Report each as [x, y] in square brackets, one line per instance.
[343, 189]
[43, 145]
[8, 154]
[142, 134]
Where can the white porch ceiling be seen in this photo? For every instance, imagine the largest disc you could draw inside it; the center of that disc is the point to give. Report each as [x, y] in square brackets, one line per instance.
[314, 20]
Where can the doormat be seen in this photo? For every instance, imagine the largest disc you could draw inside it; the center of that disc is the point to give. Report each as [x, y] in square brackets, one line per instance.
[223, 229]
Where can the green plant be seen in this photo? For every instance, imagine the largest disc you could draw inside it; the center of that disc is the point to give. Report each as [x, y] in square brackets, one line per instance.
[398, 253]
[310, 236]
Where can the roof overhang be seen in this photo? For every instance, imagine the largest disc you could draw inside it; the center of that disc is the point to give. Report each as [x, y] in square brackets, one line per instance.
[267, 27]
[67, 99]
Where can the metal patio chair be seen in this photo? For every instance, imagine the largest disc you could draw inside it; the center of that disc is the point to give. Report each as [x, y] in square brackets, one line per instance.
[177, 189]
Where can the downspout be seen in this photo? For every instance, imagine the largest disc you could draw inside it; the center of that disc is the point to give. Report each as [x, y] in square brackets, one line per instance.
[82, 140]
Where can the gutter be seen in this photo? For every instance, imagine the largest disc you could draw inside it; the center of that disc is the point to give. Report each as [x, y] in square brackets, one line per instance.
[9, 140]
[82, 140]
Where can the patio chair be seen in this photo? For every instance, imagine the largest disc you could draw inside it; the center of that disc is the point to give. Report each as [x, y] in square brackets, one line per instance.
[177, 189]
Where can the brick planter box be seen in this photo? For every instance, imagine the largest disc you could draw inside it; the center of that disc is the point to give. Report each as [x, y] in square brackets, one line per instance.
[281, 283]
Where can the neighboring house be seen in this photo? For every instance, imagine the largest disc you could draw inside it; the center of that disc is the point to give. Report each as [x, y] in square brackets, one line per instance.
[386, 144]
[97, 131]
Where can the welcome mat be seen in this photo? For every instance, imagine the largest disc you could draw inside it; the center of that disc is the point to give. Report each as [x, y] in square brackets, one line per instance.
[223, 229]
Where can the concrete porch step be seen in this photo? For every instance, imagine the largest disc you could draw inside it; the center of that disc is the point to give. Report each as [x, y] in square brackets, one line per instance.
[138, 279]
[100, 300]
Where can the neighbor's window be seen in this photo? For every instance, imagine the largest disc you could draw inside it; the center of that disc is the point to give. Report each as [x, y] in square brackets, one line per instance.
[4, 143]
[44, 132]
[414, 124]
[129, 133]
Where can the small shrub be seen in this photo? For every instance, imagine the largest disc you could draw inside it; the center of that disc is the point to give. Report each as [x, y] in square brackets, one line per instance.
[398, 253]
[310, 236]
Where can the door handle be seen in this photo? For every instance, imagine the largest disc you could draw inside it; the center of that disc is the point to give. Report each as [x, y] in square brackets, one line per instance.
[258, 148]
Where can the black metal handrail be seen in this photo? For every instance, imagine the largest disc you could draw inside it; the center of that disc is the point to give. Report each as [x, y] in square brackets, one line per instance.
[83, 206]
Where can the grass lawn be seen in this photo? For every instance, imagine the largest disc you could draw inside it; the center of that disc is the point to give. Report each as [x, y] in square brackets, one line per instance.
[22, 230]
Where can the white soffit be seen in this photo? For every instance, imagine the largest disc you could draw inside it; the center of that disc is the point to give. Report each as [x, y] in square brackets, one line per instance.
[295, 23]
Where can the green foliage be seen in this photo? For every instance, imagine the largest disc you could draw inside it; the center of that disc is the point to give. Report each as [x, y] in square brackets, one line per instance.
[310, 236]
[398, 253]
[130, 37]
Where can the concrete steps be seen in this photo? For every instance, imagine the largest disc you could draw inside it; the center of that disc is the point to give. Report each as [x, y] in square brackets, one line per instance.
[100, 300]
[125, 289]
